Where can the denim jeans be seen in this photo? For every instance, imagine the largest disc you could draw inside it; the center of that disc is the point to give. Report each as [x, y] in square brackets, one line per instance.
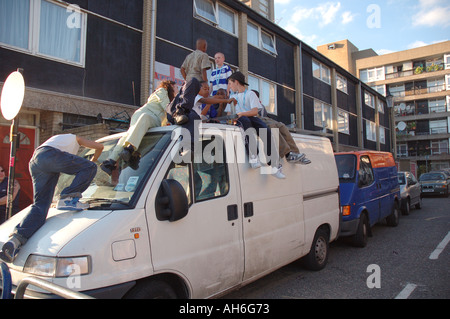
[250, 122]
[45, 167]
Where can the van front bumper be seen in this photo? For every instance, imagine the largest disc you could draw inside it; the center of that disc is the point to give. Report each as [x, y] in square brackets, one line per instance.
[349, 227]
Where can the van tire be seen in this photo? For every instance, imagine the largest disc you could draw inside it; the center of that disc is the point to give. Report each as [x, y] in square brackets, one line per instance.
[151, 289]
[317, 257]
[362, 232]
[393, 219]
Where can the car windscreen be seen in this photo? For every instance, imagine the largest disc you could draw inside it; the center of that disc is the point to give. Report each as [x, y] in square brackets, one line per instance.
[346, 165]
[432, 177]
[401, 179]
[122, 188]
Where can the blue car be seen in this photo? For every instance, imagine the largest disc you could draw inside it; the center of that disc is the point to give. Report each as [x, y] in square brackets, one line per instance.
[369, 192]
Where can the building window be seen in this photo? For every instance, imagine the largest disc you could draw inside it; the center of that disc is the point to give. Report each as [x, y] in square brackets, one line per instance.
[343, 122]
[369, 99]
[321, 72]
[438, 127]
[447, 61]
[402, 150]
[437, 106]
[341, 83]
[44, 28]
[380, 106]
[372, 75]
[382, 135]
[371, 131]
[439, 147]
[380, 89]
[436, 85]
[216, 15]
[260, 38]
[323, 115]
[267, 93]
[205, 9]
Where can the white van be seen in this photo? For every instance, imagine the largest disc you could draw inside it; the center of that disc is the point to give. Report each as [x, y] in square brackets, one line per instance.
[186, 230]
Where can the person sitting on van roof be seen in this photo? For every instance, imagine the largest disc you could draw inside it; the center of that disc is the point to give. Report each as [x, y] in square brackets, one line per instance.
[287, 146]
[246, 109]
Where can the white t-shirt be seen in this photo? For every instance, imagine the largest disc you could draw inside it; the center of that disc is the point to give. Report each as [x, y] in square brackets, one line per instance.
[198, 105]
[246, 101]
[64, 142]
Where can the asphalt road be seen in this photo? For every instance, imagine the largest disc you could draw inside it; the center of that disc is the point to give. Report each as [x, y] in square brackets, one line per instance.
[404, 262]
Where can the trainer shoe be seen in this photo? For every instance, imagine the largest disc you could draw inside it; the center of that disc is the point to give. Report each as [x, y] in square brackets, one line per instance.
[10, 250]
[71, 203]
[304, 161]
[254, 162]
[108, 166]
[295, 157]
[126, 153]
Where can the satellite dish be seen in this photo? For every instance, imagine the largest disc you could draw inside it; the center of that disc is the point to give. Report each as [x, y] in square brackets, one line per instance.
[401, 126]
[12, 95]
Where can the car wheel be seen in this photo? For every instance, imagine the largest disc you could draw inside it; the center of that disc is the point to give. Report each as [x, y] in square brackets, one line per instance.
[407, 207]
[318, 255]
[362, 232]
[152, 289]
[393, 219]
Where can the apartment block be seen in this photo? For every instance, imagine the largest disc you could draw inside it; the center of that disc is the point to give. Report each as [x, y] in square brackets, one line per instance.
[419, 81]
[91, 63]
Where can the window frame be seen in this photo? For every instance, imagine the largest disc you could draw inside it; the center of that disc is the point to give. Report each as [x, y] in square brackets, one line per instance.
[261, 44]
[217, 7]
[272, 106]
[316, 65]
[343, 80]
[324, 118]
[343, 126]
[34, 27]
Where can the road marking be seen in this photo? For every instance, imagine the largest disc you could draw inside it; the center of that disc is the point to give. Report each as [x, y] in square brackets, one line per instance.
[406, 292]
[435, 254]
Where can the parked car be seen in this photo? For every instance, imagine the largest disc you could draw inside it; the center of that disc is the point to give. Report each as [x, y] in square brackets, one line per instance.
[434, 183]
[410, 192]
[369, 190]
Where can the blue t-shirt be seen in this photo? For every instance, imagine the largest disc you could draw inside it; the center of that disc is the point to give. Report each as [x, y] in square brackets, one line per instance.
[219, 78]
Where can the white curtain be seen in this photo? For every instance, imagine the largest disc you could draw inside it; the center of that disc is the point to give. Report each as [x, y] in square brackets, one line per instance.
[14, 22]
[56, 37]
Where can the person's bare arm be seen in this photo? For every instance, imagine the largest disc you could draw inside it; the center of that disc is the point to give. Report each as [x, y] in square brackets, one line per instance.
[92, 145]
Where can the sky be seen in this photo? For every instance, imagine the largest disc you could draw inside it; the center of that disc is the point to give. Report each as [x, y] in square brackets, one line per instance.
[385, 26]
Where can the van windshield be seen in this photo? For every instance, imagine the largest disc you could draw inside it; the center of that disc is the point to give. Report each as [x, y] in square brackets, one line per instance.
[120, 190]
[346, 165]
[401, 179]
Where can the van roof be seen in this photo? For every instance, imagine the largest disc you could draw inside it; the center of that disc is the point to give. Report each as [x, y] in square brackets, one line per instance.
[378, 159]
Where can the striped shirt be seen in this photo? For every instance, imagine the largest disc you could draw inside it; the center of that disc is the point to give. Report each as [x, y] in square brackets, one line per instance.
[219, 78]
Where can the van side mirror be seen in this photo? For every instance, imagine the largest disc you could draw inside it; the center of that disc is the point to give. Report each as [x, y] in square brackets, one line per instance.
[171, 201]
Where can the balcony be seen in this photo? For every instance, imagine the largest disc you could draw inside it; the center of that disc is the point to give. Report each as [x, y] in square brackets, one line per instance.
[429, 154]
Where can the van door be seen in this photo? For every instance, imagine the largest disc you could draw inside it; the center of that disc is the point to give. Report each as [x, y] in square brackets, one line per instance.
[368, 189]
[273, 223]
[205, 247]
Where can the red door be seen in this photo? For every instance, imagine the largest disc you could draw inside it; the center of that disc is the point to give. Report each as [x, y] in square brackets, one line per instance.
[23, 157]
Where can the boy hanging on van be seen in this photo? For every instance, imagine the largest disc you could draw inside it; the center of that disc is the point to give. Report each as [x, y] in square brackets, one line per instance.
[55, 156]
[287, 146]
[246, 109]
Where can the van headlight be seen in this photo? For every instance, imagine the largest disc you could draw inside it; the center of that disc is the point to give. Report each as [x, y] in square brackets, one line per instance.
[57, 266]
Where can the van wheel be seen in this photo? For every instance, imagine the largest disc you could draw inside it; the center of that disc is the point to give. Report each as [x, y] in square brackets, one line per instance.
[393, 219]
[318, 255]
[362, 232]
[407, 208]
[151, 289]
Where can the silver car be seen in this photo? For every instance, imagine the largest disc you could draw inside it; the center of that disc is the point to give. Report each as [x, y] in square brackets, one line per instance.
[410, 192]
[435, 183]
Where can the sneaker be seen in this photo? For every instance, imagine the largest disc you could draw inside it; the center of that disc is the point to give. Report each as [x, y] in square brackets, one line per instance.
[126, 153]
[304, 161]
[10, 250]
[181, 119]
[254, 162]
[295, 157]
[134, 160]
[277, 172]
[108, 166]
[71, 203]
